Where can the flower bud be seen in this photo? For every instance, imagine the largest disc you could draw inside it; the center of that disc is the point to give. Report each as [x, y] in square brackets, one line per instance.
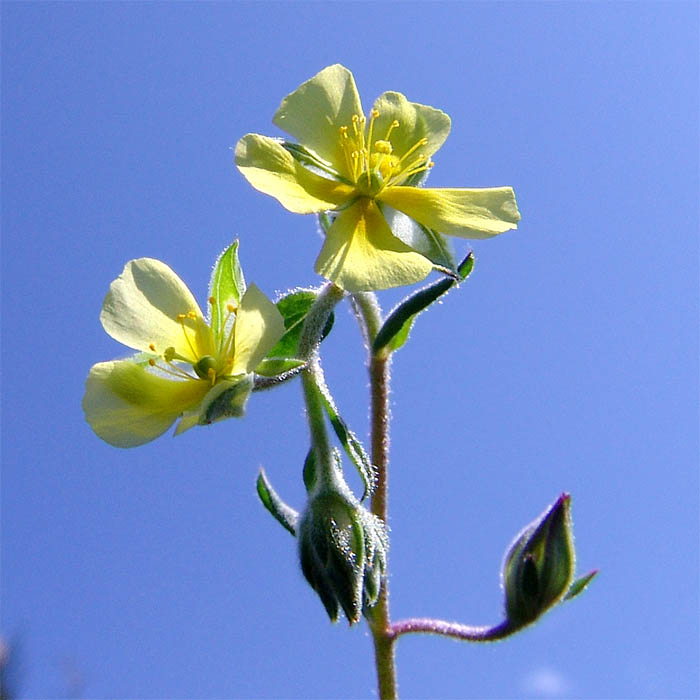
[342, 548]
[539, 565]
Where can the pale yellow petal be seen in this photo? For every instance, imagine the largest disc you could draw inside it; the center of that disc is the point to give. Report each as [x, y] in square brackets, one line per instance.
[271, 169]
[361, 254]
[259, 325]
[475, 213]
[141, 309]
[316, 110]
[416, 122]
[126, 405]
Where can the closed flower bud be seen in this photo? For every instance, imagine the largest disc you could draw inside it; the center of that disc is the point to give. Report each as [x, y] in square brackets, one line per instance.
[342, 548]
[539, 566]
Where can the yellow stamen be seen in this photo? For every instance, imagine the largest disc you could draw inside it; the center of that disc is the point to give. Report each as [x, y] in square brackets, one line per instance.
[392, 126]
[181, 319]
[417, 144]
[152, 347]
[211, 373]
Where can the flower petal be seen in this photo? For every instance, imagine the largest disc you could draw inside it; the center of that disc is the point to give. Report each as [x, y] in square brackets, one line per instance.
[416, 121]
[472, 213]
[316, 110]
[270, 168]
[141, 307]
[126, 405]
[259, 325]
[361, 253]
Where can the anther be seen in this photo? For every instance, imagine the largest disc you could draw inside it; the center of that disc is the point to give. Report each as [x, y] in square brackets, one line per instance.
[152, 347]
[392, 126]
[180, 318]
[151, 362]
[192, 315]
[230, 308]
[212, 300]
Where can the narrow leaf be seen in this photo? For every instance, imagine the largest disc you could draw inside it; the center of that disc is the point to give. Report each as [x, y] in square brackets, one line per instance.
[395, 331]
[352, 446]
[580, 585]
[226, 287]
[284, 514]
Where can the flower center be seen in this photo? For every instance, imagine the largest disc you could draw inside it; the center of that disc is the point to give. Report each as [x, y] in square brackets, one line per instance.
[206, 366]
[372, 163]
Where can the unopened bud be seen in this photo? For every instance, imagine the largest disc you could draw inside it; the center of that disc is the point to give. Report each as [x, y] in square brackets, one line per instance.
[539, 566]
[342, 548]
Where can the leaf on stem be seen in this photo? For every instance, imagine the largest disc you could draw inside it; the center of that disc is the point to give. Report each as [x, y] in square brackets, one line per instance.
[395, 331]
[294, 307]
[284, 514]
[351, 444]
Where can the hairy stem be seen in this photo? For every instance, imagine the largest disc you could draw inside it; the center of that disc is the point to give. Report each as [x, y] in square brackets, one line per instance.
[312, 378]
[369, 314]
[467, 633]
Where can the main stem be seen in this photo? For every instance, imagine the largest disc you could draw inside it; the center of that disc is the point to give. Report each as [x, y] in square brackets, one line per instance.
[380, 624]
[369, 312]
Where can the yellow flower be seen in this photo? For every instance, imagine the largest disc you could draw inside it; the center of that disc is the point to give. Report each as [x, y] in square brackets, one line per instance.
[188, 368]
[365, 170]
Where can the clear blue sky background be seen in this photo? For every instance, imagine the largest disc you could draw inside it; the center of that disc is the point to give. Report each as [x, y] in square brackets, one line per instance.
[568, 362]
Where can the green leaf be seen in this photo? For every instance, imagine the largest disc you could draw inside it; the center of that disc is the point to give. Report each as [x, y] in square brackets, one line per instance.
[580, 585]
[227, 286]
[352, 446]
[395, 330]
[274, 366]
[464, 269]
[294, 307]
[284, 514]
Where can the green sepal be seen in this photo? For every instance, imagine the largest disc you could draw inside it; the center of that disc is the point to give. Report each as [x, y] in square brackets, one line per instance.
[438, 249]
[395, 330]
[431, 244]
[285, 515]
[274, 366]
[309, 473]
[227, 286]
[312, 161]
[351, 444]
[294, 307]
[580, 585]
[227, 399]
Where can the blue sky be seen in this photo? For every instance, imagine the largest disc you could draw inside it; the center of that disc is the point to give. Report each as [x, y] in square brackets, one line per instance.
[568, 362]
